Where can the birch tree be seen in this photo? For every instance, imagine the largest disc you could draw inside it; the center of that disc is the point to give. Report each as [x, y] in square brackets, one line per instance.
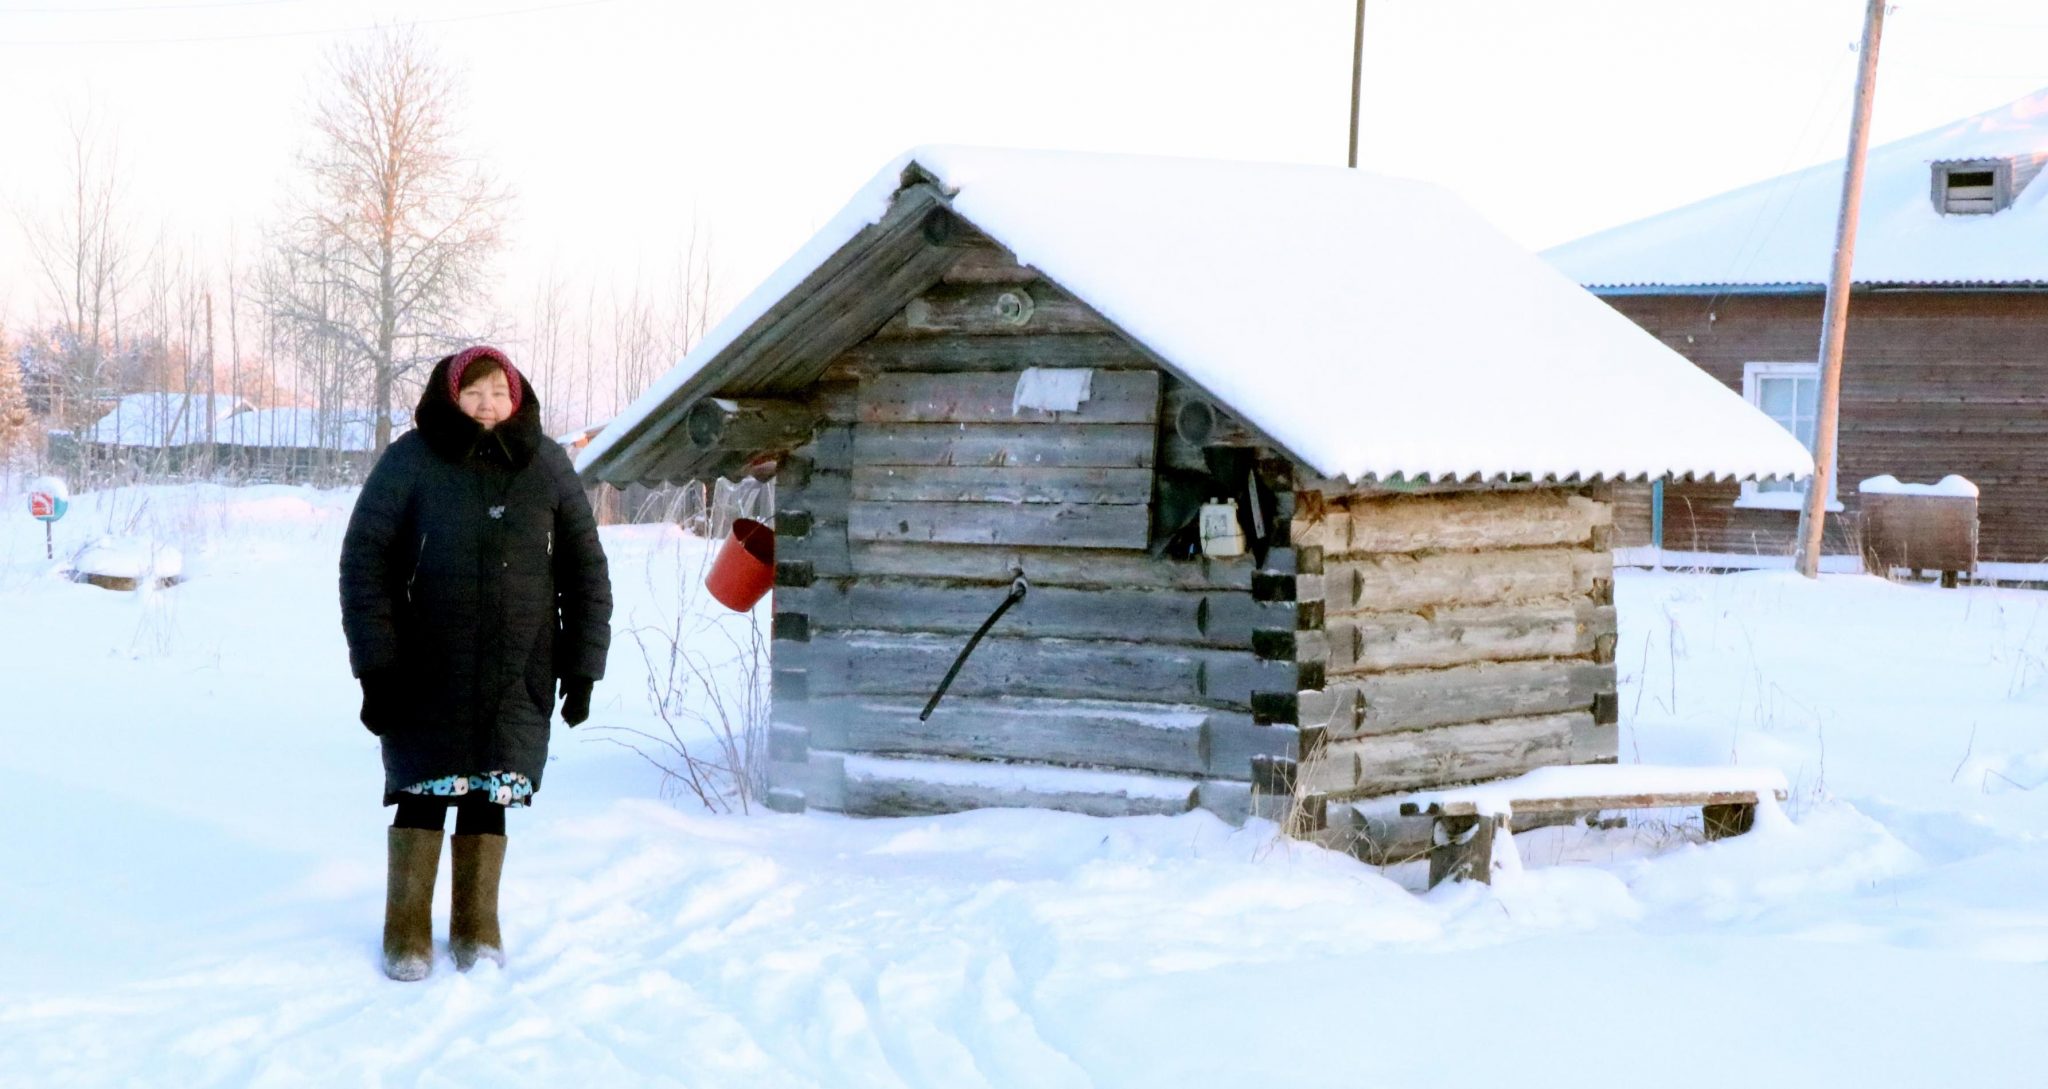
[388, 246]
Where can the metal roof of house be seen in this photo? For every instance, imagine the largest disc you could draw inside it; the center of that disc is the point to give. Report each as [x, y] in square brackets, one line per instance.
[164, 419]
[1781, 233]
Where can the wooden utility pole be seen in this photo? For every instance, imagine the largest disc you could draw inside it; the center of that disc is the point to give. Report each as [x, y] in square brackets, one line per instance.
[1357, 69]
[1835, 322]
[212, 388]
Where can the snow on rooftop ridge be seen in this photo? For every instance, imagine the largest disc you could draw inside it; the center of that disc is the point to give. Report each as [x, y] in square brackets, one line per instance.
[1950, 485]
[1780, 232]
[349, 429]
[164, 419]
[1329, 308]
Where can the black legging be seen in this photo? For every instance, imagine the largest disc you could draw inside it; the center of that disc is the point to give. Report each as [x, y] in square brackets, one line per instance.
[475, 815]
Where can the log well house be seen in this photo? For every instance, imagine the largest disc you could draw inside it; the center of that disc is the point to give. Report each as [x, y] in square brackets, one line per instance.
[1000, 363]
[1946, 365]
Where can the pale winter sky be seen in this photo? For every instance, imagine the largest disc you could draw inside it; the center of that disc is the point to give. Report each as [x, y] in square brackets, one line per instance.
[617, 121]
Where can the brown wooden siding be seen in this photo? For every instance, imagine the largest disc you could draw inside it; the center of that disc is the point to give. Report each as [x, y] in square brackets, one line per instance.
[1933, 383]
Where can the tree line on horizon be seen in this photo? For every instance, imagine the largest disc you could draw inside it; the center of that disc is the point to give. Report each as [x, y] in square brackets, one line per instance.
[379, 259]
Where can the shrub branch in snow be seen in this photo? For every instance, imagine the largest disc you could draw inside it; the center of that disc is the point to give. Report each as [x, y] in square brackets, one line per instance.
[707, 681]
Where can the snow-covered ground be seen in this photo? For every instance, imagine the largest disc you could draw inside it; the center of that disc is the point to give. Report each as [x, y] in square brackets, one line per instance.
[191, 873]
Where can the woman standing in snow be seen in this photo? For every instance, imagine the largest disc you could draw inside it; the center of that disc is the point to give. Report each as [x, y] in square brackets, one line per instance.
[472, 583]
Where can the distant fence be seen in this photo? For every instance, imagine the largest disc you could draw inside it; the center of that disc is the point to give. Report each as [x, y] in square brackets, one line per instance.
[706, 510]
[89, 465]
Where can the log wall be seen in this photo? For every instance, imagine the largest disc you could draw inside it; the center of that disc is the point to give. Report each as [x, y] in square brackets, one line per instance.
[900, 525]
[1467, 635]
[1932, 383]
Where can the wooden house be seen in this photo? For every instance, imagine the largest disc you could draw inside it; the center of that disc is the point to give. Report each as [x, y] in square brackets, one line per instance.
[1945, 370]
[298, 444]
[161, 431]
[1001, 364]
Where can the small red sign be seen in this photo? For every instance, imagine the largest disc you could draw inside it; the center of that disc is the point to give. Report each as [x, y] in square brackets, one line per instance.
[42, 505]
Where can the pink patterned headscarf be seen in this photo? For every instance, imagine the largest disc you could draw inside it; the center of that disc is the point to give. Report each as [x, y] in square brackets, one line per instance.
[467, 356]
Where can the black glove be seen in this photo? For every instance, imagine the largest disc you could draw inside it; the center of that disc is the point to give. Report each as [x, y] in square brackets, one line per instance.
[383, 700]
[576, 699]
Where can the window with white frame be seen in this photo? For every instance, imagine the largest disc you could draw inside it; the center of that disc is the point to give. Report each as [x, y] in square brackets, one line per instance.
[1790, 394]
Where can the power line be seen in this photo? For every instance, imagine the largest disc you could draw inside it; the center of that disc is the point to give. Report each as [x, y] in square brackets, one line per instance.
[199, 39]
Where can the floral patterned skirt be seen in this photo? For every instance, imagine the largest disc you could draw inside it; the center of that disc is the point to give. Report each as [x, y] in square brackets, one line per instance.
[507, 788]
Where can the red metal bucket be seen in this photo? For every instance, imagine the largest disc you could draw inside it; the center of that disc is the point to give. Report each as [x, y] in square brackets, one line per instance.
[745, 568]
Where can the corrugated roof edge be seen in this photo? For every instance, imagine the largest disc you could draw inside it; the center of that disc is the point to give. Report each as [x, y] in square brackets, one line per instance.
[1796, 288]
[1396, 481]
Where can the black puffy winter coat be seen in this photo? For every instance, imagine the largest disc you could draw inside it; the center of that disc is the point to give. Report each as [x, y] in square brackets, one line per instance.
[472, 578]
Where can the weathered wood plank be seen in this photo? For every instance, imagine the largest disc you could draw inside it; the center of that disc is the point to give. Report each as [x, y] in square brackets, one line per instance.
[1379, 642]
[1231, 741]
[986, 484]
[889, 664]
[1070, 525]
[1378, 703]
[1379, 836]
[1147, 737]
[822, 545]
[815, 782]
[1224, 619]
[1108, 446]
[993, 310]
[1406, 582]
[880, 787]
[1048, 566]
[1467, 851]
[988, 265]
[1115, 397]
[1103, 351]
[1476, 521]
[824, 493]
[1419, 759]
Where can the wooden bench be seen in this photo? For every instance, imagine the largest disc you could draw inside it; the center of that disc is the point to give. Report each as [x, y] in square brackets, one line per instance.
[1470, 820]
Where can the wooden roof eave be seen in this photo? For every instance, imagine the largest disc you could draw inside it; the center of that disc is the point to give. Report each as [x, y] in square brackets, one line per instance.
[845, 299]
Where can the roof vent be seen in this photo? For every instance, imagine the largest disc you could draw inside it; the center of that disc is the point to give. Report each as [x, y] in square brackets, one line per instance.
[1973, 186]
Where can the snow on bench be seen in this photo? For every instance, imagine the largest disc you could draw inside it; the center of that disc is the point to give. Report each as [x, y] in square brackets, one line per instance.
[1470, 820]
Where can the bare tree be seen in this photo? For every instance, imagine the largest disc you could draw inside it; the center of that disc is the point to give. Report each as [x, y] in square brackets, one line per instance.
[81, 251]
[386, 251]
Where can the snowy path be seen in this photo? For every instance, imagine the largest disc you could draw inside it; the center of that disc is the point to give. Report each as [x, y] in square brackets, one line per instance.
[194, 878]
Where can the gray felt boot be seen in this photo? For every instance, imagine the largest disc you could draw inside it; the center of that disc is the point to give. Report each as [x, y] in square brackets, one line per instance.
[473, 927]
[414, 856]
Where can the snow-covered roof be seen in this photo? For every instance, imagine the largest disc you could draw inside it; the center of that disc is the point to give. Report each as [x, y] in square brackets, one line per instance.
[1781, 232]
[348, 429]
[164, 419]
[1314, 303]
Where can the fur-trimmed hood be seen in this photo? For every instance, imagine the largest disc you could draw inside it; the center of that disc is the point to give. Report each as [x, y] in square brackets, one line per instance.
[450, 433]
